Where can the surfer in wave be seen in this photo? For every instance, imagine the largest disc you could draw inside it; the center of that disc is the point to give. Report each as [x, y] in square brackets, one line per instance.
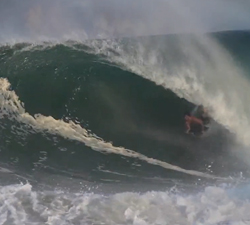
[196, 122]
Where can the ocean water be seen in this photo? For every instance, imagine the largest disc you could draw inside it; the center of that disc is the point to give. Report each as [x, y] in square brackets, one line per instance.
[92, 131]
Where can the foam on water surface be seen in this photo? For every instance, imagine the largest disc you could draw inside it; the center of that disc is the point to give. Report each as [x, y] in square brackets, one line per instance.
[20, 204]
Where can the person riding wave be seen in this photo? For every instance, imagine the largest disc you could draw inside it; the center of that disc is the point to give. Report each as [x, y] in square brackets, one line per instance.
[197, 123]
[193, 123]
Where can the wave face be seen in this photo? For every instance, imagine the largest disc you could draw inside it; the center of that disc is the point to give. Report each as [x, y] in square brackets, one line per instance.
[107, 116]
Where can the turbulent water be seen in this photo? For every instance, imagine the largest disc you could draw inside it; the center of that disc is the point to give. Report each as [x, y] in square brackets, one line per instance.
[92, 132]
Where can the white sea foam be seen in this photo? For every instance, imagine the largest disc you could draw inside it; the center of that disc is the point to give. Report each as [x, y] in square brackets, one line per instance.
[19, 204]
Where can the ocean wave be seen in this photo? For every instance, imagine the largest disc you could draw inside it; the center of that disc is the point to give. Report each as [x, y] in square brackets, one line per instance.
[76, 90]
